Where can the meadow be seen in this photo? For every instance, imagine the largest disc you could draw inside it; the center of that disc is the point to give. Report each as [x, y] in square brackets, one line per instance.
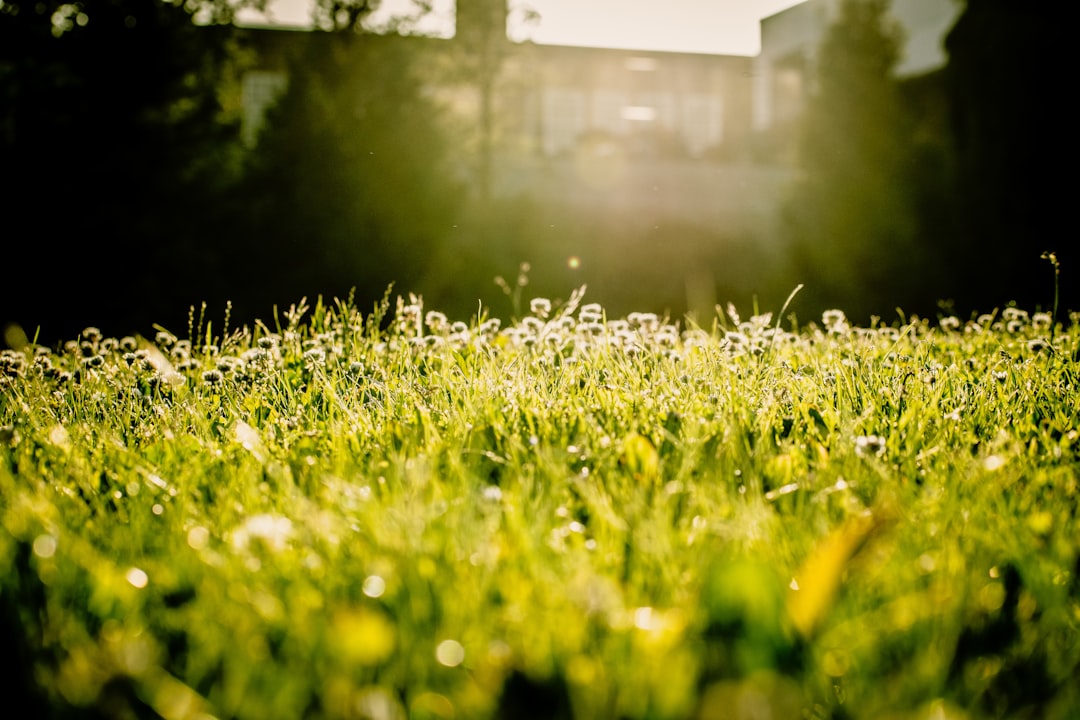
[389, 513]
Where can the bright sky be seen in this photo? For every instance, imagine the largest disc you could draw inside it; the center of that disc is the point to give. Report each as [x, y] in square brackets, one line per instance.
[726, 27]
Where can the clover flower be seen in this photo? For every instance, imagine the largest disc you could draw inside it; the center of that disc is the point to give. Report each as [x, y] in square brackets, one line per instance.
[12, 364]
[164, 339]
[835, 322]
[213, 377]
[735, 342]
[590, 328]
[314, 358]
[436, 321]
[258, 357]
[490, 326]
[540, 307]
[532, 325]
[950, 323]
[591, 309]
[666, 337]
[644, 320]
[44, 365]
[188, 365]
[1040, 321]
[229, 364]
[1038, 345]
[869, 445]
[1014, 313]
[759, 323]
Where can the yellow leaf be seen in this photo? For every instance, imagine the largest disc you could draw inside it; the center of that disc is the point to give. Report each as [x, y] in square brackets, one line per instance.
[363, 635]
[818, 579]
[640, 457]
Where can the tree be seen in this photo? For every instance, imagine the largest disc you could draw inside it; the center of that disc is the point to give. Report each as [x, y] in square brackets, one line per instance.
[350, 184]
[1009, 66]
[482, 49]
[852, 214]
[113, 138]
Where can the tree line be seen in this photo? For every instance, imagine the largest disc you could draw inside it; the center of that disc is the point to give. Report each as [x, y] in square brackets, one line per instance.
[946, 193]
[130, 196]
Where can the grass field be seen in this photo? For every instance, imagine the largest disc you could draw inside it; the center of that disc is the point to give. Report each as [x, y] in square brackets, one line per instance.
[393, 514]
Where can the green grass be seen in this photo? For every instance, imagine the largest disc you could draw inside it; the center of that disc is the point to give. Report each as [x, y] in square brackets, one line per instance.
[391, 515]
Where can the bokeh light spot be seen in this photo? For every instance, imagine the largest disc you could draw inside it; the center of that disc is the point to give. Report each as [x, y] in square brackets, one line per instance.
[374, 586]
[44, 546]
[450, 653]
[15, 337]
[198, 537]
[138, 578]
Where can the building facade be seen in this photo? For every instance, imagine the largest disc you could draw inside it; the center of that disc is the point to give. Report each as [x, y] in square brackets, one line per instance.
[668, 132]
[783, 70]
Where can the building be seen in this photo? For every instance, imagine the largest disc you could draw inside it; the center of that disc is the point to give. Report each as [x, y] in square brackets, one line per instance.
[550, 99]
[643, 131]
[783, 71]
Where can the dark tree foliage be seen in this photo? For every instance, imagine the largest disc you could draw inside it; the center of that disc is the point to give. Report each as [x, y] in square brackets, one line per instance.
[942, 191]
[349, 186]
[853, 212]
[112, 138]
[1008, 79]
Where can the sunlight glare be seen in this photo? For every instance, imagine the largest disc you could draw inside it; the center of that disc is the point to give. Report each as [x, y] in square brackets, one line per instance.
[728, 27]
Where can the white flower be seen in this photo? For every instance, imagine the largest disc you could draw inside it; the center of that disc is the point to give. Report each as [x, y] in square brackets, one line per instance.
[540, 307]
[869, 445]
[273, 531]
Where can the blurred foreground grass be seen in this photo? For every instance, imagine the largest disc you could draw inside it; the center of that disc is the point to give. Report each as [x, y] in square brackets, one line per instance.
[397, 515]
